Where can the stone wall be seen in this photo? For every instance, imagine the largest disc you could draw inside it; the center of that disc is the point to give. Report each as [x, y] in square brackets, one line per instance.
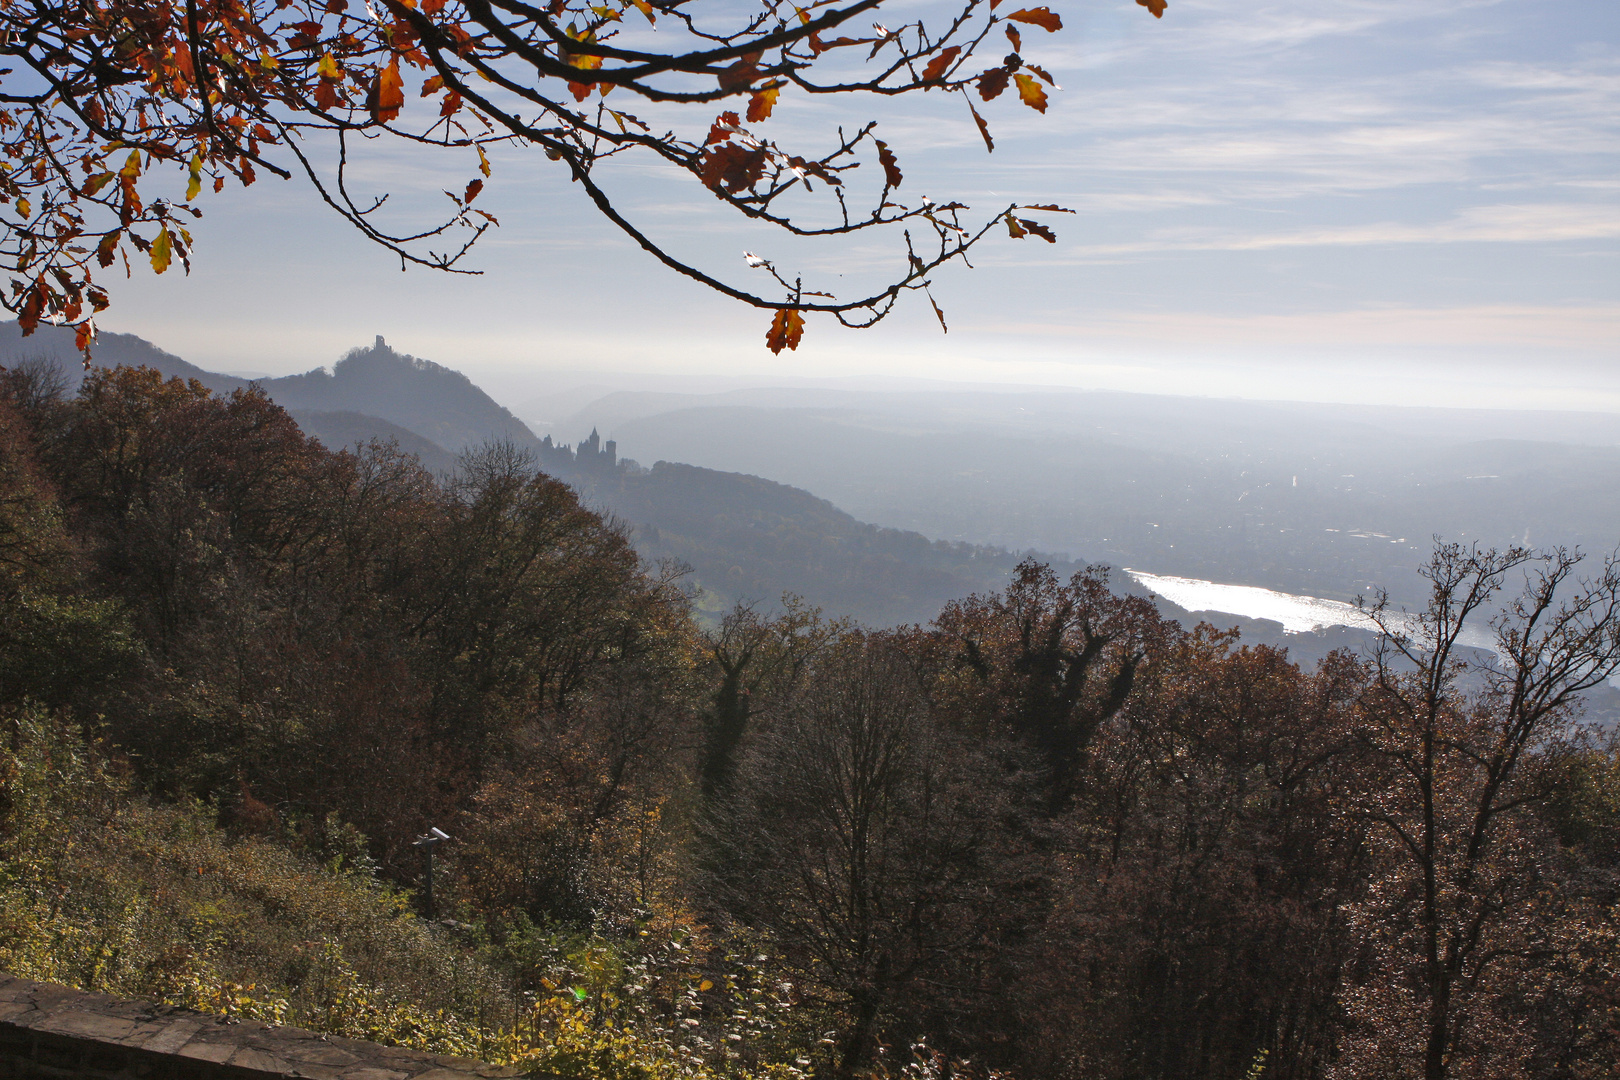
[52, 1033]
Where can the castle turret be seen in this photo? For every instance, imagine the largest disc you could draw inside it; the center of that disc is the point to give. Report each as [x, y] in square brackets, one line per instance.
[610, 453]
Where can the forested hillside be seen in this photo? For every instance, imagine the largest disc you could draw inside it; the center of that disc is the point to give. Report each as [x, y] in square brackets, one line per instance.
[1050, 834]
[739, 538]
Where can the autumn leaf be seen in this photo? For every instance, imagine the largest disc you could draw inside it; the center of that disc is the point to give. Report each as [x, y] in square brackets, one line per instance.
[161, 251]
[940, 64]
[473, 189]
[107, 250]
[1037, 229]
[83, 336]
[388, 93]
[483, 162]
[1155, 6]
[1030, 92]
[761, 102]
[1014, 229]
[432, 86]
[992, 83]
[451, 104]
[326, 96]
[786, 330]
[328, 68]
[1016, 38]
[891, 168]
[938, 314]
[724, 126]
[984, 128]
[1037, 69]
[732, 166]
[741, 75]
[194, 185]
[1045, 18]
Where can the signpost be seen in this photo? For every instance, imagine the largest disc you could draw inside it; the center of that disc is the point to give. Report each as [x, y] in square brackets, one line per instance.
[427, 842]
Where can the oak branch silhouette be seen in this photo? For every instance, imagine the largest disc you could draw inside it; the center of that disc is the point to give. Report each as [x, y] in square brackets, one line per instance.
[105, 105]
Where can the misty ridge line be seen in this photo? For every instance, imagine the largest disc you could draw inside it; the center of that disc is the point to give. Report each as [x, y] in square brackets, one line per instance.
[1297, 498]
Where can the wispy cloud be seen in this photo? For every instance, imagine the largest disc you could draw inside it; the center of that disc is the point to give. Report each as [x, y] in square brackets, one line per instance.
[1504, 224]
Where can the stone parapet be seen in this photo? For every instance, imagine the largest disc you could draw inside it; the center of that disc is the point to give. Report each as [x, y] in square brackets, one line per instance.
[50, 1032]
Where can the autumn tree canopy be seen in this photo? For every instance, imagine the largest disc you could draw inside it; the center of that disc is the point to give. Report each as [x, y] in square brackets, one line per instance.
[115, 115]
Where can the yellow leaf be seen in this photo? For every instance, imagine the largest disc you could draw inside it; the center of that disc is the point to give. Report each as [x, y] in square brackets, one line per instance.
[132, 165]
[328, 69]
[195, 185]
[483, 162]
[1030, 92]
[23, 208]
[706, 985]
[161, 251]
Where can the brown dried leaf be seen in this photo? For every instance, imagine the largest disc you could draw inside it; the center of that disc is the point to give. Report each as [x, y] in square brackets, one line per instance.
[787, 328]
[940, 64]
[1044, 17]
[891, 168]
[984, 129]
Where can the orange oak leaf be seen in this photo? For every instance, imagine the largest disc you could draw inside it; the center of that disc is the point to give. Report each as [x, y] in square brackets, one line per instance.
[1043, 17]
[473, 189]
[722, 129]
[940, 64]
[1155, 6]
[786, 330]
[1030, 92]
[387, 93]
[992, 83]
[761, 102]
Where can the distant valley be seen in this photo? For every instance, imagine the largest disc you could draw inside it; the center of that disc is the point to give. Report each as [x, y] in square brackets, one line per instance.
[764, 491]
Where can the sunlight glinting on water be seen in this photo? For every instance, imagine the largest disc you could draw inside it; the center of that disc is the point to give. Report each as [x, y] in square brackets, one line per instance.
[1298, 614]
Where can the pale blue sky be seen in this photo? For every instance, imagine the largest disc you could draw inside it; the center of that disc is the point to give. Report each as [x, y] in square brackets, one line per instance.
[1372, 200]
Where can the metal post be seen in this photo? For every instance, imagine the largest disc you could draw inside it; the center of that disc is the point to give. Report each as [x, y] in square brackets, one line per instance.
[427, 842]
